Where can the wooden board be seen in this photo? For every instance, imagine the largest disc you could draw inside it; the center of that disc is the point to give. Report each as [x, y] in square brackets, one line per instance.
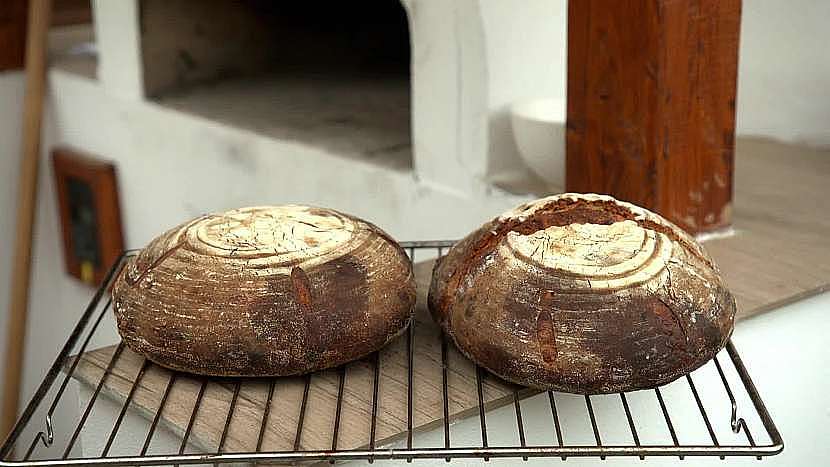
[780, 252]
[651, 105]
[318, 427]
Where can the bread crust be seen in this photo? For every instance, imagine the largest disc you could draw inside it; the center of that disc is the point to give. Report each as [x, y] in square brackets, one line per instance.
[265, 291]
[584, 294]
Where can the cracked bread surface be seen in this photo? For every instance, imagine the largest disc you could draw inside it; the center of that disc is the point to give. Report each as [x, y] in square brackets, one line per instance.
[584, 294]
[265, 291]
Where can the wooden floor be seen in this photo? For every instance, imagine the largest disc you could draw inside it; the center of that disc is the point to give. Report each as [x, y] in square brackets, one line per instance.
[780, 252]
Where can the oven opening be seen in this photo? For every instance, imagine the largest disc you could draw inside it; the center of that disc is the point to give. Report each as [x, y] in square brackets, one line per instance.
[334, 76]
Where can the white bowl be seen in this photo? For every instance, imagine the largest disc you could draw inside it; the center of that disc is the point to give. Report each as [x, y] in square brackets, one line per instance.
[539, 132]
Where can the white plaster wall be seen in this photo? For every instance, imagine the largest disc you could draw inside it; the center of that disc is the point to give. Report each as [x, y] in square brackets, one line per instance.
[118, 37]
[525, 51]
[470, 60]
[784, 71]
[11, 107]
[449, 79]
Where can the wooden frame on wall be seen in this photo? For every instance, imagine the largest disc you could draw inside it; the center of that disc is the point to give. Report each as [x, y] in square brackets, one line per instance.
[90, 214]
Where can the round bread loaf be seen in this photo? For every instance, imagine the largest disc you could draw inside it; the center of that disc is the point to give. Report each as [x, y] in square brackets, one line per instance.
[265, 291]
[584, 294]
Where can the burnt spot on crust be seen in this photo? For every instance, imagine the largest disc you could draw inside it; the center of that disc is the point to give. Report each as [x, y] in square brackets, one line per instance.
[314, 320]
[546, 337]
[667, 316]
[169, 335]
[258, 360]
[338, 317]
[522, 306]
[500, 362]
[670, 337]
[301, 288]
[568, 211]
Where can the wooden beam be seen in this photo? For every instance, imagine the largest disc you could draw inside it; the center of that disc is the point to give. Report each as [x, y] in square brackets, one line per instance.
[651, 105]
[36, 47]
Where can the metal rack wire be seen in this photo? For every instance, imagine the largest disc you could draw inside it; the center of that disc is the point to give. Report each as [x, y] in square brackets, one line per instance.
[17, 452]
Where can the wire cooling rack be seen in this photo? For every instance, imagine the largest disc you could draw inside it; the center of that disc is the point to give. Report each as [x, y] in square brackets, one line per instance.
[729, 389]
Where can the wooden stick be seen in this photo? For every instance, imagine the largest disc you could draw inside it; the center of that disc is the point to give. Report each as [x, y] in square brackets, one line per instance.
[36, 47]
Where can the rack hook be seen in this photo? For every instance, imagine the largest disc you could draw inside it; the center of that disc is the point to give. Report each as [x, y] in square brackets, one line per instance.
[735, 421]
[50, 432]
[49, 437]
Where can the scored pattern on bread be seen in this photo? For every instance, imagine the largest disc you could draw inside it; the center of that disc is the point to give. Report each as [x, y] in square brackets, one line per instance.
[265, 291]
[582, 293]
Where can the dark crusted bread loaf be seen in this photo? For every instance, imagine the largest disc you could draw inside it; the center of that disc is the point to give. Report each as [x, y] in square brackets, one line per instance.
[265, 291]
[583, 294]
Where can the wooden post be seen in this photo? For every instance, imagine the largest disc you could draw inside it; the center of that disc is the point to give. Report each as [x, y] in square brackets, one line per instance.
[651, 105]
[38, 26]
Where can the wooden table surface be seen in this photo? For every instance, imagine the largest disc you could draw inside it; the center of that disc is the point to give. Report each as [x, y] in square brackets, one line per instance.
[780, 252]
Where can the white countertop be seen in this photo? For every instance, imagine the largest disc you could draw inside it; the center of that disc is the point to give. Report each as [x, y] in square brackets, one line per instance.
[786, 354]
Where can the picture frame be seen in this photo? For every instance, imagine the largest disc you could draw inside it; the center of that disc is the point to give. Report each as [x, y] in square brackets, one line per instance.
[90, 213]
